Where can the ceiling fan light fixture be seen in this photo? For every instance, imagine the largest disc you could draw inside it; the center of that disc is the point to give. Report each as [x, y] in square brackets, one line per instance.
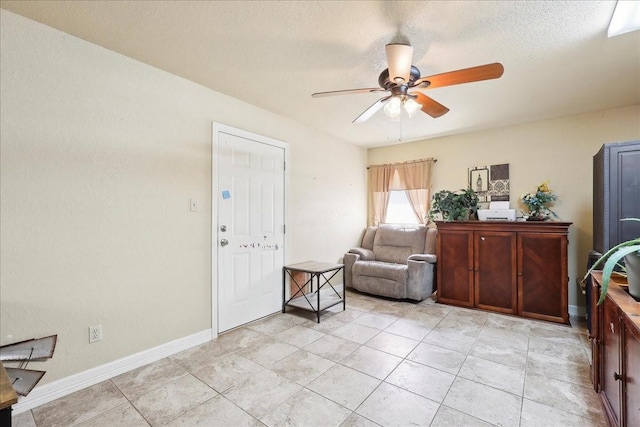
[411, 106]
[392, 109]
[401, 80]
[626, 18]
[399, 61]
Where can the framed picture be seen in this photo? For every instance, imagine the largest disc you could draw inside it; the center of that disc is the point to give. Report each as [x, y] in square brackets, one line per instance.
[479, 179]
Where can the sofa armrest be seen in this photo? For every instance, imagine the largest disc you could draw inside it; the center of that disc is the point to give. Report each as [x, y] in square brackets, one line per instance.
[420, 279]
[365, 254]
[430, 258]
[348, 260]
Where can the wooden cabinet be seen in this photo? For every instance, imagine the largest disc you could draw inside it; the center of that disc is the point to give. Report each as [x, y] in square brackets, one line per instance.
[616, 185]
[508, 267]
[631, 363]
[616, 353]
[611, 384]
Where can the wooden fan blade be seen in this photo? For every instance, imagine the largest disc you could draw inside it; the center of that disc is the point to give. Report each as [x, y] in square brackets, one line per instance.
[467, 75]
[24, 380]
[431, 106]
[375, 107]
[348, 91]
[33, 349]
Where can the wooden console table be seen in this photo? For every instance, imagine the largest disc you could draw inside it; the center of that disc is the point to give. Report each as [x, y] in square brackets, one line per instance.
[8, 397]
[615, 345]
[311, 301]
[505, 266]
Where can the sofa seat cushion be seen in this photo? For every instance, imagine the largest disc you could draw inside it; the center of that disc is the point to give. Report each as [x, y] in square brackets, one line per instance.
[382, 270]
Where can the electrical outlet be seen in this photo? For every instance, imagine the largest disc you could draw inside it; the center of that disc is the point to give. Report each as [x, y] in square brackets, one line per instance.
[95, 333]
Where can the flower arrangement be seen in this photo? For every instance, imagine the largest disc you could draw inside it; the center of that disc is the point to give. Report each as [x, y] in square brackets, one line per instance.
[538, 203]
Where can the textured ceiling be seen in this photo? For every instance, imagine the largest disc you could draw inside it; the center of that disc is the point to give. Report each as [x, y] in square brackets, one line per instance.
[273, 54]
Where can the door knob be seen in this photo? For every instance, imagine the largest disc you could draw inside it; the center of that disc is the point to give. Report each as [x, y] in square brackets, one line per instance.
[224, 242]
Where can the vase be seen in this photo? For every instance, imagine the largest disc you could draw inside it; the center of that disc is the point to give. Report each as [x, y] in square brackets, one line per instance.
[537, 217]
[632, 265]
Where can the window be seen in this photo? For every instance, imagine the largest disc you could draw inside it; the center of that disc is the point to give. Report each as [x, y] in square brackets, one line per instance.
[399, 209]
[398, 190]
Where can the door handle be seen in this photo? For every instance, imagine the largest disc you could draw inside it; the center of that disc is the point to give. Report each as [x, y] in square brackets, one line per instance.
[224, 242]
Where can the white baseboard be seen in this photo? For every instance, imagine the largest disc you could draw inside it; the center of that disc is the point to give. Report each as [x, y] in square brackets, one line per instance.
[64, 386]
[577, 311]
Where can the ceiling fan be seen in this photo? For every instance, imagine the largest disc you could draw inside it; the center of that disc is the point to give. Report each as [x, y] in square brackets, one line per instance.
[404, 83]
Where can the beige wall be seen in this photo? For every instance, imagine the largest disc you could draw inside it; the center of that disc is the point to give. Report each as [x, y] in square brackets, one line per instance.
[559, 150]
[100, 156]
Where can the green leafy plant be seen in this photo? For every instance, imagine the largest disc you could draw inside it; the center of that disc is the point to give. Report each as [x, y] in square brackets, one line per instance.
[611, 259]
[454, 205]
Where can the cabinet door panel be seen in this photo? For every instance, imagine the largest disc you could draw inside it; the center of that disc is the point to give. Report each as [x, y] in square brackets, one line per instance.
[543, 276]
[495, 271]
[632, 374]
[595, 337]
[455, 268]
[611, 387]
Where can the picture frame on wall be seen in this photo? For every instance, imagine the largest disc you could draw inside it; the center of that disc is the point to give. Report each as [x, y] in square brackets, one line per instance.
[491, 183]
[479, 179]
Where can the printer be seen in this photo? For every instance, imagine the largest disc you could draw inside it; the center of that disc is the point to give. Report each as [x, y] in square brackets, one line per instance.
[498, 211]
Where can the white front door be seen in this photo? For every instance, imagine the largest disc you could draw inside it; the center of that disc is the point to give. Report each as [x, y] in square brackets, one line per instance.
[250, 229]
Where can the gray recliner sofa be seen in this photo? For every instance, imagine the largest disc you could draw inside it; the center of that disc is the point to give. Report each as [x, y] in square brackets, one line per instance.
[394, 261]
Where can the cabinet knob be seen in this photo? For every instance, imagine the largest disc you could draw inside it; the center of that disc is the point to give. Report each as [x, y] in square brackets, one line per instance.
[617, 376]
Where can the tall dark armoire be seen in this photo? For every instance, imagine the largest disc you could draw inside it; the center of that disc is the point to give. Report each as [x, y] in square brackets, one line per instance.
[616, 194]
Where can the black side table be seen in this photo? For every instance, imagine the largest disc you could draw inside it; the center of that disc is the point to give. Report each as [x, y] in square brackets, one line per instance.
[8, 397]
[311, 301]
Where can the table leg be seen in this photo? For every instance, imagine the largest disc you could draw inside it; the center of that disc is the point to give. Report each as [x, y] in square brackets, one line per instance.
[284, 281]
[344, 292]
[318, 287]
[5, 416]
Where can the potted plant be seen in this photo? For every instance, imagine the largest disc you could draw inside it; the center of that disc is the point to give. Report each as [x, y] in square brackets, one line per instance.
[538, 203]
[630, 251]
[453, 205]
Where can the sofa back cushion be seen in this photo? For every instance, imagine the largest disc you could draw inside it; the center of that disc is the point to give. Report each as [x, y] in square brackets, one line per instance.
[394, 243]
[367, 238]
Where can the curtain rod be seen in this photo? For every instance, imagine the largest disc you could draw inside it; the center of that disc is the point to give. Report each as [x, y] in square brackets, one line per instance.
[407, 162]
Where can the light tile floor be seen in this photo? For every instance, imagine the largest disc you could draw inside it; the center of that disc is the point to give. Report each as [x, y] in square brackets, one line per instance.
[380, 362]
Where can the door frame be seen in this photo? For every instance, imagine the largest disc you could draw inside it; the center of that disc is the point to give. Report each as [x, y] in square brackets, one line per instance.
[216, 130]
